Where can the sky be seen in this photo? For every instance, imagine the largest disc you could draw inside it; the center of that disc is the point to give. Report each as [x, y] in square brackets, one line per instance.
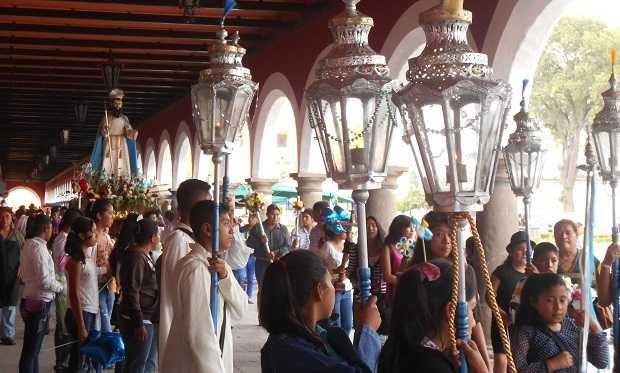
[604, 10]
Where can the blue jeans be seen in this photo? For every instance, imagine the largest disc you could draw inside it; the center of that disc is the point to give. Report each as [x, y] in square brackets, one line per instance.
[344, 308]
[240, 275]
[7, 322]
[36, 326]
[106, 305]
[137, 352]
[78, 362]
[152, 360]
[251, 273]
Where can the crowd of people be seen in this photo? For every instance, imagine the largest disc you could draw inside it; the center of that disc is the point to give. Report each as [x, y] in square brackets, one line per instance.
[148, 277]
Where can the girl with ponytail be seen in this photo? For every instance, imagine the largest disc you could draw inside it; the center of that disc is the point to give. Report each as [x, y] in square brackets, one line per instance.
[139, 307]
[81, 271]
[297, 293]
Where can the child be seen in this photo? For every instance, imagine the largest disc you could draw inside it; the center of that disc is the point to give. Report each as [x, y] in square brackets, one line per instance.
[545, 339]
[297, 293]
[419, 336]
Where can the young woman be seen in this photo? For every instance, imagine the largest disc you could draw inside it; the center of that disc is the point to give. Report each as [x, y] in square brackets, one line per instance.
[81, 271]
[505, 279]
[419, 339]
[139, 306]
[391, 258]
[102, 212]
[440, 247]
[545, 339]
[336, 262]
[297, 293]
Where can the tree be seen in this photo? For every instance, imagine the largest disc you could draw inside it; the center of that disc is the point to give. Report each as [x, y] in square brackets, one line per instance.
[414, 199]
[569, 79]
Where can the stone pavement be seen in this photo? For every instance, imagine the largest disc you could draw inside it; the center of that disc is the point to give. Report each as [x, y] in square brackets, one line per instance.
[249, 338]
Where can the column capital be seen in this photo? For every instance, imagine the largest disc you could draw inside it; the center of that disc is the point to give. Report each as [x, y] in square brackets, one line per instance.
[309, 182]
[262, 185]
[393, 173]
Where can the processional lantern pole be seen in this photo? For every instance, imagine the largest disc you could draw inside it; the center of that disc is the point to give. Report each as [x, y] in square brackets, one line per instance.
[524, 157]
[351, 111]
[220, 106]
[606, 134]
[454, 113]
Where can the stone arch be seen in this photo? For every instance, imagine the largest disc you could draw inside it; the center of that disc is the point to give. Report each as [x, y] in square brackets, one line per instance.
[22, 195]
[277, 92]
[240, 167]
[182, 160]
[164, 160]
[517, 36]
[150, 160]
[203, 164]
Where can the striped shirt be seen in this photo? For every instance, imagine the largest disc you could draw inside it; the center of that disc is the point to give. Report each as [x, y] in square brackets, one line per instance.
[377, 285]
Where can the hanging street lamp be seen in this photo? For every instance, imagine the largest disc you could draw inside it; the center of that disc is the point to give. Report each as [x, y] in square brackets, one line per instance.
[220, 106]
[351, 112]
[524, 157]
[606, 135]
[111, 74]
[454, 112]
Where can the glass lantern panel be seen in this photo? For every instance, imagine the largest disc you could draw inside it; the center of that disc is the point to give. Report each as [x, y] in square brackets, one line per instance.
[332, 130]
[358, 132]
[432, 136]
[466, 145]
[221, 116]
[614, 136]
[238, 112]
[378, 113]
[488, 138]
[515, 168]
[603, 150]
[533, 165]
[202, 108]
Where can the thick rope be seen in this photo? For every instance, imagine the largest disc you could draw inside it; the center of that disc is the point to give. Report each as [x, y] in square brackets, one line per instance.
[490, 295]
[454, 290]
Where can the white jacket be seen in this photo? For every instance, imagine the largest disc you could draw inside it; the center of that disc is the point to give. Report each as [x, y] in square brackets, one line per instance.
[175, 248]
[193, 346]
[239, 253]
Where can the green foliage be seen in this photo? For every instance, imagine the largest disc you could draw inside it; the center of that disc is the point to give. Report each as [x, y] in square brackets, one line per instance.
[414, 199]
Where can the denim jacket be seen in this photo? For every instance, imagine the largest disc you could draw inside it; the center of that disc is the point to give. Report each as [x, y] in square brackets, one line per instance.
[284, 353]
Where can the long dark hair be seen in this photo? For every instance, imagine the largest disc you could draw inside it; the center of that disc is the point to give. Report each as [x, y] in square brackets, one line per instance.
[434, 219]
[145, 230]
[380, 233]
[287, 288]
[68, 218]
[535, 285]
[125, 239]
[80, 231]
[396, 229]
[98, 207]
[418, 312]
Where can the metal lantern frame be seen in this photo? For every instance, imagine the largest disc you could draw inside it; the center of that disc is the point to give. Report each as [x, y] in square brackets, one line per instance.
[220, 107]
[352, 114]
[524, 157]
[606, 135]
[454, 114]
[111, 74]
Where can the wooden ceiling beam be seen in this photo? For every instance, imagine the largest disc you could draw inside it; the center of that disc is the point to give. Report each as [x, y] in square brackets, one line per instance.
[102, 55]
[81, 77]
[64, 58]
[65, 83]
[102, 37]
[245, 9]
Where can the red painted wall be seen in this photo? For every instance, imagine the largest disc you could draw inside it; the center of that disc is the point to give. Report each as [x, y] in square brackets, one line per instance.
[36, 186]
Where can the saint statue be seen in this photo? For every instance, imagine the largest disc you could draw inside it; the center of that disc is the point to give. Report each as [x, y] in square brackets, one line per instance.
[115, 147]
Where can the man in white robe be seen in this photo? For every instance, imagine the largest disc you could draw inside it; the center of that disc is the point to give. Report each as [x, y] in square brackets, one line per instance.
[195, 344]
[176, 247]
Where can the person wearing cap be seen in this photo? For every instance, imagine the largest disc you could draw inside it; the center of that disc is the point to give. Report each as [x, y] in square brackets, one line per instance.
[505, 279]
[115, 150]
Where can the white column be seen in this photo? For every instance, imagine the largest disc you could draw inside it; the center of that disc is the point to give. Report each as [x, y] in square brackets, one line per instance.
[382, 202]
[264, 187]
[309, 188]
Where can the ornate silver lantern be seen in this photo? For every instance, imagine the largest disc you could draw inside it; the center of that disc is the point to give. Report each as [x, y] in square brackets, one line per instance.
[220, 106]
[606, 134]
[111, 74]
[454, 112]
[524, 157]
[351, 112]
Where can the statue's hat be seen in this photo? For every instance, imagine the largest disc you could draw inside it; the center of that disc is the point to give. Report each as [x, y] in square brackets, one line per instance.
[116, 93]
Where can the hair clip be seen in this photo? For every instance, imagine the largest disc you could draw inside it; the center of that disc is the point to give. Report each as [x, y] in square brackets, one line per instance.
[428, 271]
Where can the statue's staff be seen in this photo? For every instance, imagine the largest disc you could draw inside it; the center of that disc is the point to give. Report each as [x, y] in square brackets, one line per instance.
[107, 128]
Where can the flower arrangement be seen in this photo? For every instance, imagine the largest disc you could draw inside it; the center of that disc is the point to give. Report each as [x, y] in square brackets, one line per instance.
[406, 246]
[254, 202]
[126, 194]
[298, 205]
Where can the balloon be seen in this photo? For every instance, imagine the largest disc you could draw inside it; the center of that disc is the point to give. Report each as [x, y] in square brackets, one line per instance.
[106, 348]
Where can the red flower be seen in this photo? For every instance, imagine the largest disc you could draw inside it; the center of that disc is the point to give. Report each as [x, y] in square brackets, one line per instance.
[429, 271]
